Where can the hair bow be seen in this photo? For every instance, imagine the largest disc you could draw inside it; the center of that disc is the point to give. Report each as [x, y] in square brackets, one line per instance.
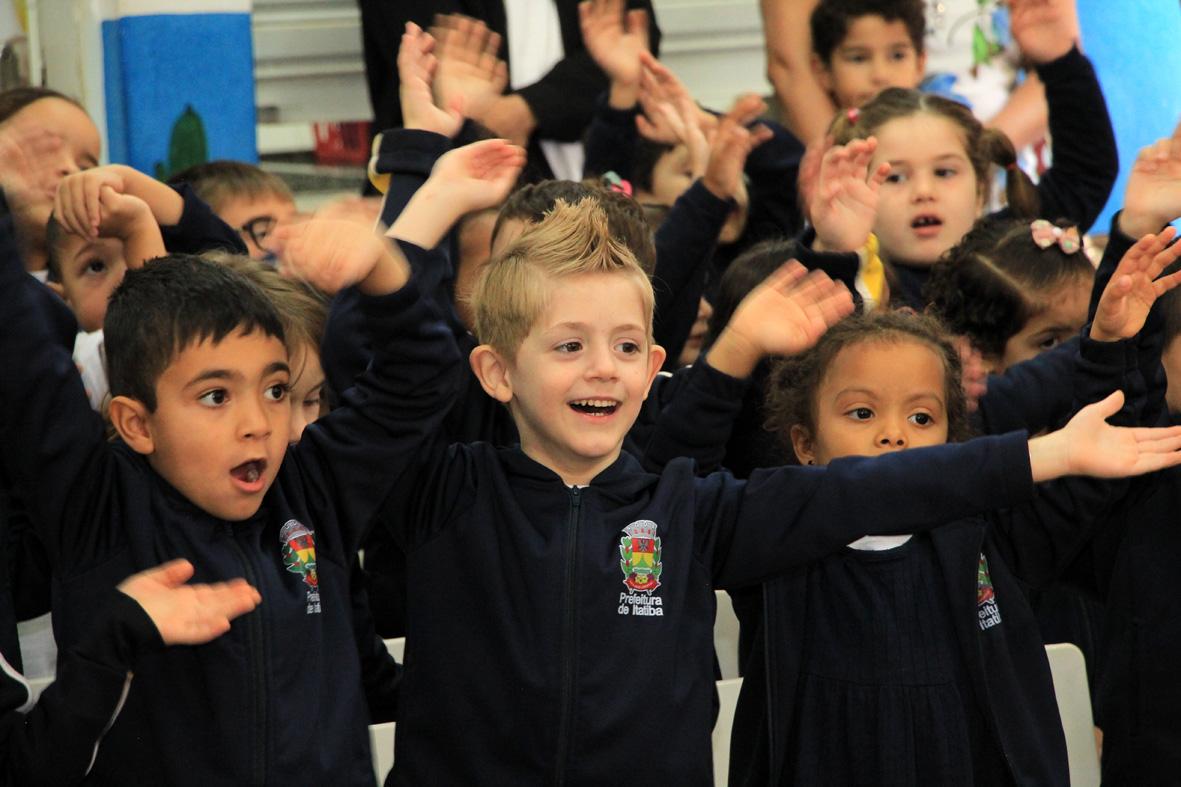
[853, 114]
[1046, 235]
[618, 184]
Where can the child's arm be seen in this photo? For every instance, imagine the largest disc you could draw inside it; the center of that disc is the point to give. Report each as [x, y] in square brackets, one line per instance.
[782, 316]
[807, 107]
[354, 456]
[186, 224]
[54, 742]
[1086, 162]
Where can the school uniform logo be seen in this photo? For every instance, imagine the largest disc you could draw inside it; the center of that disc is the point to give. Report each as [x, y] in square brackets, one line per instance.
[987, 613]
[639, 560]
[299, 556]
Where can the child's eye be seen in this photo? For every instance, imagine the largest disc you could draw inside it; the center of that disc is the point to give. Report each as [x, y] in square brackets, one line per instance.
[895, 177]
[95, 267]
[628, 348]
[215, 398]
[276, 392]
[899, 54]
[1048, 342]
[569, 347]
[922, 419]
[860, 413]
[945, 172]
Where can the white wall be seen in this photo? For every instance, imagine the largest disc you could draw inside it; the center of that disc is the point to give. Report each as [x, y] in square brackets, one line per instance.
[308, 67]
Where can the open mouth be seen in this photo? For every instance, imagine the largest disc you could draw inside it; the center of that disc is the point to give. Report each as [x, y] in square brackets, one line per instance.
[595, 407]
[926, 225]
[249, 474]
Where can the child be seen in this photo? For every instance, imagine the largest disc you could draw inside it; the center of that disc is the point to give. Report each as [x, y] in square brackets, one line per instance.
[869, 662]
[574, 639]
[44, 136]
[1014, 288]
[861, 48]
[203, 469]
[54, 741]
[247, 198]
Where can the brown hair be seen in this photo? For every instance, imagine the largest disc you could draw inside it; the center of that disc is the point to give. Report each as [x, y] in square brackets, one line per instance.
[572, 239]
[792, 386]
[985, 147]
[17, 98]
[218, 182]
[302, 310]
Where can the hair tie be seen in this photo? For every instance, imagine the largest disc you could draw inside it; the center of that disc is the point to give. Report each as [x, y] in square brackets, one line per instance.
[1011, 166]
[852, 114]
[617, 184]
[1046, 235]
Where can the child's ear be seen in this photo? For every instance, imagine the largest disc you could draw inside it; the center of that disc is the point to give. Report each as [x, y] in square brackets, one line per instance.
[801, 443]
[493, 373]
[130, 419]
[921, 66]
[822, 72]
[656, 356]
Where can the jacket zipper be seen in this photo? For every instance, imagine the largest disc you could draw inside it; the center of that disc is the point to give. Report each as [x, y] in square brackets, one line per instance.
[568, 637]
[256, 642]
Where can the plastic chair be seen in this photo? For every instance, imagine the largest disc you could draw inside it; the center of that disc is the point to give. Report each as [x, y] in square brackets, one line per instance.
[728, 695]
[1069, 671]
[381, 747]
[38, 685]
[396, 647]
[726, 636]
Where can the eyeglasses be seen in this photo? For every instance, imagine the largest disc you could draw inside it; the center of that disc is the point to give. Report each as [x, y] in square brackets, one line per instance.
[258, 229]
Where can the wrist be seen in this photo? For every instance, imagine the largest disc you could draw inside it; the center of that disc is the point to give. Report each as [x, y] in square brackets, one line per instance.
[623, 95]
[733, 354]
[1049, 457]
[428, 216]
[389, 274]
[1136, 224]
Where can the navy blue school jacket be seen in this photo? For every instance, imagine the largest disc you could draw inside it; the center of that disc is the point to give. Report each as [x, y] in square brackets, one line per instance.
[562, 635]
[1029, 544]
[278, 699]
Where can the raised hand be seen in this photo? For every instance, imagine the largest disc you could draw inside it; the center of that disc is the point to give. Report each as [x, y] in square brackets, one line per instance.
[785, 315]
[1135, 286]
[974, 375]
[28, 173]
[77, 206]
[1045, 30]
[1088, 445]
[1153, 194]
[466, 179]
[469, 73]
[416, 72]
[845, 202]
[333, 253]
[188, 614]
[732, 143]
[613, 42]
[659, 85]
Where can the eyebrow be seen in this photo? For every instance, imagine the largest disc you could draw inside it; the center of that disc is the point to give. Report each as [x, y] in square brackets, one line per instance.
[229, 374]
[867, 392]
[957, 156]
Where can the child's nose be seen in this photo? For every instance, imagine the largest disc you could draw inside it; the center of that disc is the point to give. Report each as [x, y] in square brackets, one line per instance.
[252, 422]
[891, 437]
[601, 362]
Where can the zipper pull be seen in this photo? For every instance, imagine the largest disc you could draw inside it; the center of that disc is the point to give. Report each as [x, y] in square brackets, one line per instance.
[576, 496]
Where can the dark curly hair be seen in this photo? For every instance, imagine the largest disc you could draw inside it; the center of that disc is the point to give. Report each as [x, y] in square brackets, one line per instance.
[794, 382]
[994, 280]
[831, 19]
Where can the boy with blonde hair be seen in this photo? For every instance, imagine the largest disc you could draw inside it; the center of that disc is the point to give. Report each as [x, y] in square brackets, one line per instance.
[560, 598]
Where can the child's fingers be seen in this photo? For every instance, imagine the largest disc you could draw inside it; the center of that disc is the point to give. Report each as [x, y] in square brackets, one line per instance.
[637, 24]
[760, 134]
[173, 573]
[785, 276]
[879, 175]
[1109, 406]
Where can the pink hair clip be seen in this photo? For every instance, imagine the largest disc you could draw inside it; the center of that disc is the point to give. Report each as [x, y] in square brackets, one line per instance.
[852, 114]
[1046, 235]
[618, 184]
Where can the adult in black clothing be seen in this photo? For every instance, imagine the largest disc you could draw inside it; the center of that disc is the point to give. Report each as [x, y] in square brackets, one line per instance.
[558, 106]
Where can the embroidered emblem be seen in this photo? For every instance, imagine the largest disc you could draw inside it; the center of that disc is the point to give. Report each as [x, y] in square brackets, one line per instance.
[299, 556]
[639, 552]
[987, 612]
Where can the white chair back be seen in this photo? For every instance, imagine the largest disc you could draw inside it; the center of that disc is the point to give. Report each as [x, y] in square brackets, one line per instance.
[728, 695]
[726, 636]
[397, 648]
[1069, 671]
[381, 747]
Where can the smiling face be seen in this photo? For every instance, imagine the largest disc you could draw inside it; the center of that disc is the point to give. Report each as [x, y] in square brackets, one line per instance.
[221, 423]
[874, 55]
[877, 396]
[577, 381]
[931, 197]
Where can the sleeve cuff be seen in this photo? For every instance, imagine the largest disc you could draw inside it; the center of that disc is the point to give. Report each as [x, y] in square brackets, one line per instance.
[1064, 66]
[409, 150]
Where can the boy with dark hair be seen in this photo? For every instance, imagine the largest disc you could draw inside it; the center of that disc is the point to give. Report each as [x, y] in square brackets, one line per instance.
[580, 586]
[202, 470]
[862, 47]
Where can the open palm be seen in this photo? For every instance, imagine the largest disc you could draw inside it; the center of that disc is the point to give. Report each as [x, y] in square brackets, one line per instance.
[1135, 286]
